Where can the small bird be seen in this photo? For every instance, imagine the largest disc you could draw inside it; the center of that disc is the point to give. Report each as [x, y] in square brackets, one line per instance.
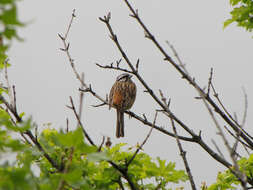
[122, 97]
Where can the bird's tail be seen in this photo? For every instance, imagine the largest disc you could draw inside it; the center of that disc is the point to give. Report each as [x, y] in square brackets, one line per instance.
[120, 124]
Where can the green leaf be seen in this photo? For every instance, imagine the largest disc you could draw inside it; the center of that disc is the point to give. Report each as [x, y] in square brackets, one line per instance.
[227, 22]
[97, 156]
[234, 2]
[9, 17]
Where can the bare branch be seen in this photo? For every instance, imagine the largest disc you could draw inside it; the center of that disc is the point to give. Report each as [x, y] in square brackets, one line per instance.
[177, 57]
[114, 68]
[101, 145]
[79, 121]
[142, 144]
[71, 61]
[209, 81]
[240, 175]
[99, 105]
[217, 148]
[183, 155]
[239, 130]
[245, 107]
[81, 100]
[185, 76]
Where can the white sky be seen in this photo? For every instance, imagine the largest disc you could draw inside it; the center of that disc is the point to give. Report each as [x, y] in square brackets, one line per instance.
[44, 80]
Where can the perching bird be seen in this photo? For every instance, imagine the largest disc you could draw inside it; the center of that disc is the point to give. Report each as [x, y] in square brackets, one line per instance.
[122, 97]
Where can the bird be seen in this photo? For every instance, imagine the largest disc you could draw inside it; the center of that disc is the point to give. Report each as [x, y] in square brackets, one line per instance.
[122, 97]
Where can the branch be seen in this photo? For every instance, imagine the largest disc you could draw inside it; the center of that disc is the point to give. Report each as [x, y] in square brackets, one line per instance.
[240, 129]
[185, 76]
[240, 175]
[71, 61]
[142, 144]
[114, 68]
[79, 121]
[183, 155]
[81, 100]
[124, 174]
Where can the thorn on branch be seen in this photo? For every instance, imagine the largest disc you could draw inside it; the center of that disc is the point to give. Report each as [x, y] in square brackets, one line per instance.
[135, 14]
[36, 132]
[144, 116]
[73, 13]
[146, 35]
[118, 62]
[210, 81]
[216, 95]
[199, 135]
[137, 65]
[113, 37]
[67, 48]
[85, 90]
[108, 16]
[60, 36]
[198, 98]
[169, 102]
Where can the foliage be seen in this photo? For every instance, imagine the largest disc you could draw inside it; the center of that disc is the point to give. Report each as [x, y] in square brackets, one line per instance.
[226, 180]
[83, 166]
[9, 24]
[242, 14]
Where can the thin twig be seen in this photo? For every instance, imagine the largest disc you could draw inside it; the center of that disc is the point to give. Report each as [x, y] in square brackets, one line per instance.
[240, 175]
[183, 155]
[101, 145]
[142, 144]
[239, 127]
[245, 107]
[70, 23]
[71, 61]
[236, 137]
[79, 121]
[217, 148]
[99, 105]
[81, 100]
[14, 98]
[209, 81]
[8, 83]
[114, 68]
[177, 57]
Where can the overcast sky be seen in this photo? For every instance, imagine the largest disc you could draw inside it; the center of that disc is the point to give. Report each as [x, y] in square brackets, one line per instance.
[44, 79]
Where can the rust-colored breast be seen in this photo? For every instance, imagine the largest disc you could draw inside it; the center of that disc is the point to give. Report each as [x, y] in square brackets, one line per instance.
[117, 98]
